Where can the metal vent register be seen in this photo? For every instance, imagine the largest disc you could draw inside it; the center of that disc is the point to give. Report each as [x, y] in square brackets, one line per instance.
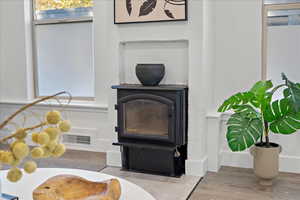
[77, 139]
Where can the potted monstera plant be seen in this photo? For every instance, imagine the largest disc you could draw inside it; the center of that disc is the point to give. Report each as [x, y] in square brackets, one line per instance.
[255, 115]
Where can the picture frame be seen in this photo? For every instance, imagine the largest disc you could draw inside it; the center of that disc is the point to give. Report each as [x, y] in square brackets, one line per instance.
[144, 11]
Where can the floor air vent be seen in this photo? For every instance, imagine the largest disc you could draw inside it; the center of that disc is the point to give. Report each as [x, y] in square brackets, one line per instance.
[77, 139]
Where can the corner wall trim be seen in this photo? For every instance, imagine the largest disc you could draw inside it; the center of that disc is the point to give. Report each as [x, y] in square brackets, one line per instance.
[214, 142]
[197, 167]
[114, 159]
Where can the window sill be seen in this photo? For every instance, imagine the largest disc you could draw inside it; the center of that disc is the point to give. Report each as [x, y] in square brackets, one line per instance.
[87, 106]
[62, 21]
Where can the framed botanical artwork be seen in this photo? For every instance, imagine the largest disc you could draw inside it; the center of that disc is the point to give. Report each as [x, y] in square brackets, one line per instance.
[139, 11]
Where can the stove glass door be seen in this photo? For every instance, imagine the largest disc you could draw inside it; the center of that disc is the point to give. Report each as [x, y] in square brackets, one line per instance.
[146, 117]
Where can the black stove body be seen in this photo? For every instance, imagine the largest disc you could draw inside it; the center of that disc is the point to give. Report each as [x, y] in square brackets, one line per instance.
[152, 128]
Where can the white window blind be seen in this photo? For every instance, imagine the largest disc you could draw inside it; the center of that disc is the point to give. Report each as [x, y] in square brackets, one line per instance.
[64, 55]
[283, 53]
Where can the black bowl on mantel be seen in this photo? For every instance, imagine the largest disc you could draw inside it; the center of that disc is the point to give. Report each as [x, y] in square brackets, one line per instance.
[150, 74]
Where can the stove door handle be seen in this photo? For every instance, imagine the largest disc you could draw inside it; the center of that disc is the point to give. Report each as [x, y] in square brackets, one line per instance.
[116, 107]
[171, 112]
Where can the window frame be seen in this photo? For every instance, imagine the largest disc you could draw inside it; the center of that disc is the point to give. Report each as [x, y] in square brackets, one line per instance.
[41, 22]
[266, 8]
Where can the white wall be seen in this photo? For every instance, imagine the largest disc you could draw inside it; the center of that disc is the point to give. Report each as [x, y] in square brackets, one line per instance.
[224, 56]
[107, 56]
[238, 66]
[1, 45]
[17, 78]
[87, 121]
[238, 44]
[133, 53]
[108, 63]
[13, 57]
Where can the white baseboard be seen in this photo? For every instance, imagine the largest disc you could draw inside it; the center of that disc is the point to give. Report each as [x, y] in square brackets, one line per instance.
[244, 159]
[113, 159]
[196, 167]
[236, 159]
[289, 164]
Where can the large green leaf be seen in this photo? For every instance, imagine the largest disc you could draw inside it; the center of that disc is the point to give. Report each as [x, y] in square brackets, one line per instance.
[243, 132]
[260, 88]
[255, 102]
[237, 99]
[286, 93]
[277, 110]
[288, 124]
[282, 117]
[293, 91]
[246, 111]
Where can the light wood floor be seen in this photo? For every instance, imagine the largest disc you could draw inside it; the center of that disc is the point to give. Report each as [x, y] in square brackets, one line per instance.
[241, 184]
[86, 160]
[228, 184]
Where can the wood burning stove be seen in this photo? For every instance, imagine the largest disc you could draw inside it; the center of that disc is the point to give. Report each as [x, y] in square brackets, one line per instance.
[152, 128]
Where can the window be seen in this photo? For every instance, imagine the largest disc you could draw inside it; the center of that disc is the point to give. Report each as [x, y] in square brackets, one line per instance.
[282, 12]
[63, 9]
[281, 44]
[63, 51]
[269, 2]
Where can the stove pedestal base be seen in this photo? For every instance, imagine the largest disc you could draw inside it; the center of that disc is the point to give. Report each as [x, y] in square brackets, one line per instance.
[168, 161]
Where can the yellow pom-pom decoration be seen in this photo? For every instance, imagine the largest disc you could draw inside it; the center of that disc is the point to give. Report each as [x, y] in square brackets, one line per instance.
[65, 126]
[52, 132]
[34, 137]
[20, 150]
[37, 152]
[53, 117]
[47, 152]
[1, 154]
[16, 142]
[15, 162]
[20, 134]
[14, 174]
[51, 145]
[7, 157]
[43, 138]
[30, 167]
[59, 150]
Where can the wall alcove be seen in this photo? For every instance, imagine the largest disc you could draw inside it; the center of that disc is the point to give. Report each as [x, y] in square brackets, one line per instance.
[172, 53]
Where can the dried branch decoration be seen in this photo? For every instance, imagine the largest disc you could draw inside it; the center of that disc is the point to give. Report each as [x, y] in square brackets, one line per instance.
[47, 140]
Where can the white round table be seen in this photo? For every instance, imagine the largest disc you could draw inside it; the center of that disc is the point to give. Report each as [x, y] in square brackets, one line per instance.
[23, 189]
